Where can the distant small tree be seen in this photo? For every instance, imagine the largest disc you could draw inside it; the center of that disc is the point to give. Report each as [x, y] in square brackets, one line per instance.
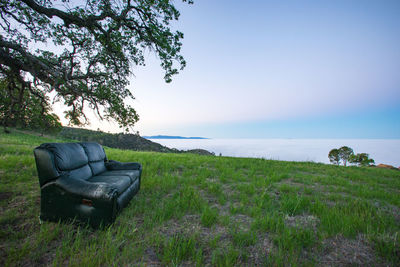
[361, 159]
[334, 156]
[345, 153]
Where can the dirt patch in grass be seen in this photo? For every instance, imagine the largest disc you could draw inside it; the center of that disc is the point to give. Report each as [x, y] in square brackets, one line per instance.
[302, 221]
[212, 200]
[47, 257]
[150, 257]
[223, 210]
[395, 211]
[291, 182]
[178, 170]
[138, 221]
[314, 185]
[275, 195]
[214, 203]
[340, 251]
[333, 199]
[17, 224]
[3, 255]
[330, 203]
[228, 189]
[389, 209]
[259, 252]
[212, 180]
[388, 186]
[189, 225]
[20, 203]
[242, 221]
[5, 195]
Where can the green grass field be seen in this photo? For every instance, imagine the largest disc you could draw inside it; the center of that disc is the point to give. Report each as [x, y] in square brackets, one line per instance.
[215, 211]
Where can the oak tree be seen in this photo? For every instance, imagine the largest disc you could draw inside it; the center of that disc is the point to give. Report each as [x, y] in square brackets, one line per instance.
[82, 52]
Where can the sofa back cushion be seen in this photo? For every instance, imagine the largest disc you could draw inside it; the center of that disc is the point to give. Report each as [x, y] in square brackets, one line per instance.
[69, 158]
[45, 165]
[96, 157]
[83, 172]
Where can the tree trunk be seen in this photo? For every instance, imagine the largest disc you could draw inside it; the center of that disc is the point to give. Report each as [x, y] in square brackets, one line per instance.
[5, 129]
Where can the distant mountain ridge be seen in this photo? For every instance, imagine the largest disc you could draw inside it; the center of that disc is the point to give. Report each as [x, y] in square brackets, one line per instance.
[122, 141]
[171, 137]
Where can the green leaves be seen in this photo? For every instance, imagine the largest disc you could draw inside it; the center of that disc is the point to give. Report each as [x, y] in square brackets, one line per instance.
[346, 154]
[361, 159]
[99, 40]
[26, 107]
[342, 154]
[334, 157]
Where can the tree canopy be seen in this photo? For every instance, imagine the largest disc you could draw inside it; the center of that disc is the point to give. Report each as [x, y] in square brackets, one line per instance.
[361, 159]
[345, 154]
[30, 113]
[334, 157]
[82, 52]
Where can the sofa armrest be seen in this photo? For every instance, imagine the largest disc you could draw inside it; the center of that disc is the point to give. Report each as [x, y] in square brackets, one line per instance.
[113, 165]
[68, 198]
[84, 189]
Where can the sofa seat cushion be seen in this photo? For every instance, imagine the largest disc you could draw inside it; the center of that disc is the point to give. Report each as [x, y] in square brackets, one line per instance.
[121, 182]
[133, 174]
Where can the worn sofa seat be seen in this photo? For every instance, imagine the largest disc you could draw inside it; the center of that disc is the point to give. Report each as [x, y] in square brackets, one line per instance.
[132, 174]
[119, 182]
[78, 182]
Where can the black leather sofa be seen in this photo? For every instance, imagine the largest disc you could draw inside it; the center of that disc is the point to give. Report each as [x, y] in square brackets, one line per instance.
[78, 182]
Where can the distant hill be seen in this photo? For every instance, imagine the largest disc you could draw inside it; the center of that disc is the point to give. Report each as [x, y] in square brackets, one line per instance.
[122, 141]
[171, 137]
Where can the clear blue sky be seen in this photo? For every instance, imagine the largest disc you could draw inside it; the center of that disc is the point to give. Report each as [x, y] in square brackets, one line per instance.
[290, 69]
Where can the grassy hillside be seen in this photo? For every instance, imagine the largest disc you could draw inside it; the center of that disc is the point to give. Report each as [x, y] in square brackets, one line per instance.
[216, 211]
